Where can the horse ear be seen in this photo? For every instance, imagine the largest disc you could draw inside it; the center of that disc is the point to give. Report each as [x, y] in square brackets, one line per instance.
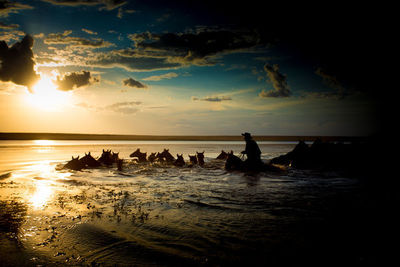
[203, 152]
[77, 157]
[103, 150]
[89, 153]
[72, 157]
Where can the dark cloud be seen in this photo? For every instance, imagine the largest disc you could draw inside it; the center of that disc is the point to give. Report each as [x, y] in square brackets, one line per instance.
[278, 80]
[176, 50]
[133, 83]
[64, 38]
[213, 98]
[8, 26]
[7, 7]
[105, 4]
[75, 80]
[199, 47]
[331, 81]
[17, 64]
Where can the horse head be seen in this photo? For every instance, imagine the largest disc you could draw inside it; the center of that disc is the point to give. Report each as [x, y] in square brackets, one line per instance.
[193, 159]
[200, 157]
[74, 164]
[223, 155]
[179, 161]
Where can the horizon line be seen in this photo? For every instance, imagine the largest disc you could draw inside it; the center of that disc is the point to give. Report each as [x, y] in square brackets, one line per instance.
[128, 137]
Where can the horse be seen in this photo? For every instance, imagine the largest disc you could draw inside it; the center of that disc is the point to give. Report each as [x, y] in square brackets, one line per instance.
[165, 156]
[114, 157]
[141, 156]
[152, 157]
[119, 164]
[89, 161]
[74, 164]
[234, 163]
[106, 157]
[193, 159]
[223, 155]
[200, 157]
[179, 162]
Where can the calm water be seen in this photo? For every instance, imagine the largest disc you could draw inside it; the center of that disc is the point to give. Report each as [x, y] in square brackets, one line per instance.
[155, 214]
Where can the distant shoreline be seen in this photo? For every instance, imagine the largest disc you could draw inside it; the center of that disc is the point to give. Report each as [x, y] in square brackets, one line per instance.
[115, 137]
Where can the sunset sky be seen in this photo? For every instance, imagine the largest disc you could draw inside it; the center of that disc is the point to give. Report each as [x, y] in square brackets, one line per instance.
[179, 68]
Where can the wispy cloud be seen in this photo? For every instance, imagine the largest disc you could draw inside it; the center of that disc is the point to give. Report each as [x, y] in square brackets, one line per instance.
[213, 98]
[279, 83]
[104, 4]
[89, 31]
[126, 108]
[168, 76]
[65, 39]
[8, 26]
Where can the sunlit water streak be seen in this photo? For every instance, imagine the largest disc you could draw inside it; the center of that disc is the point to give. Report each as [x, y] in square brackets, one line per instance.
[159, 214]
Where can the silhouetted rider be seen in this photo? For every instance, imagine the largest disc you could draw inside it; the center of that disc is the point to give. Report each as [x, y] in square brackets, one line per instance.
[252, 150]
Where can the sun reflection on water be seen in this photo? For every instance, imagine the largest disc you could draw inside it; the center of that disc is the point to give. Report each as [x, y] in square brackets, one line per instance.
[42, 194]
[44, 181]
[44, 142]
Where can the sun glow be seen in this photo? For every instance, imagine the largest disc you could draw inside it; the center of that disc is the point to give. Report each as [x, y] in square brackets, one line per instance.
[45, 95]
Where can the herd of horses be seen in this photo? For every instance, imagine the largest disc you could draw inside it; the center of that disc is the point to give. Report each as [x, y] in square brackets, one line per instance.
[108, 158]
[325, 156]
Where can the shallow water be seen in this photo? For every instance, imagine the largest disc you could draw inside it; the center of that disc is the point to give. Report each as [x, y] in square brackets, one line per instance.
[157, 214]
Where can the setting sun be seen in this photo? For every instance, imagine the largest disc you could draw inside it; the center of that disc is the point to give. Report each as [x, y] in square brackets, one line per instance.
[45, 95]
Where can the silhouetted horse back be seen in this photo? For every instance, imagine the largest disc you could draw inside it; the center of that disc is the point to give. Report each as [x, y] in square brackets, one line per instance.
[179, 162]
[234, 163]
[89, 161]
[152, 157]
[200, 157]
[106, 157]
[141, 156]
[165, 156]
[223, 155]
[326, 156]
[74, 164]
